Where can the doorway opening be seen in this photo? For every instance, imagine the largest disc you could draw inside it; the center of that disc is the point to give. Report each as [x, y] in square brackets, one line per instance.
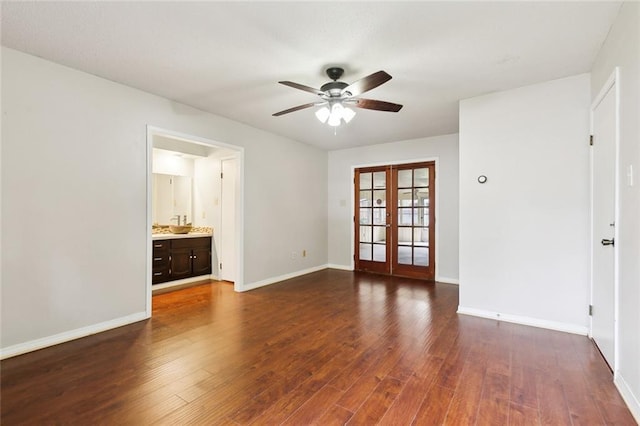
[395, 220]
[203, 200]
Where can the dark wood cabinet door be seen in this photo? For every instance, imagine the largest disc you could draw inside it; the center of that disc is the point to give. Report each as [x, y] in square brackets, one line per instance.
[201, 261]
[180, 263]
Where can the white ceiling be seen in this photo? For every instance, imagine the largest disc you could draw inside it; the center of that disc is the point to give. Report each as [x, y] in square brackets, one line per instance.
[227, 57]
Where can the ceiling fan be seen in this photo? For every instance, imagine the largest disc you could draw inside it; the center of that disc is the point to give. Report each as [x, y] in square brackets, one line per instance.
[336, 96]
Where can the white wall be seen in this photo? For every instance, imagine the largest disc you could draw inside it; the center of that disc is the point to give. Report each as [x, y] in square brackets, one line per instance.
[168, 163]
[74, 153]
[341, 165]
[524, 235]
[622, 48]
[206, 191]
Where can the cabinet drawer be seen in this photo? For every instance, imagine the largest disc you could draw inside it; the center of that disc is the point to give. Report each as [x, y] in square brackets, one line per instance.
[191, 242]
[160, 275]
[160, 260]
[160, 245]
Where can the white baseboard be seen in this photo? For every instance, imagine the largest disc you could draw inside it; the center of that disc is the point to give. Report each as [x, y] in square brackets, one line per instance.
[272, 280]
[627, 394]
[34, 345]
[340, 267]
[534, 322]
[448, 280]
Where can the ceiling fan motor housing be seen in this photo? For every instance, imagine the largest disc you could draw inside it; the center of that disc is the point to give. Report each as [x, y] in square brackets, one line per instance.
[333, 88]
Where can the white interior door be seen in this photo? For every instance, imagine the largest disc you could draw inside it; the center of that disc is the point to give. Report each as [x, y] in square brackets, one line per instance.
[603, 232]
[227, 255]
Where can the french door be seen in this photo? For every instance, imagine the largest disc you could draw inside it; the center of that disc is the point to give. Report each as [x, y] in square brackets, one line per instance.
[395, 221]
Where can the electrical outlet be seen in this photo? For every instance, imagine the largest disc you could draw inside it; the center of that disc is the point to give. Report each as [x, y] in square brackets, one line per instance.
[293, 255]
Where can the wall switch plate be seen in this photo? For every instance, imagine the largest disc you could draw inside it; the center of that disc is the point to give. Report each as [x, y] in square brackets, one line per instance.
[630, 175]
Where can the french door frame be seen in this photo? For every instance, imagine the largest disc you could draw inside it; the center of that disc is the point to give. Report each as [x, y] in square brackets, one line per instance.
[391, 264]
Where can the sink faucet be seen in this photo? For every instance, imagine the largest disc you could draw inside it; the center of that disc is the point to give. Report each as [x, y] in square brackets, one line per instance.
[176, 218]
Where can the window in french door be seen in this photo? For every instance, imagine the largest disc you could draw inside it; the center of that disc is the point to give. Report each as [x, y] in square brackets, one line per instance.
[395, 220]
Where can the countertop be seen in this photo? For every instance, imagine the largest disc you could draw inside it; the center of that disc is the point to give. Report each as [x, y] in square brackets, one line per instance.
[175, 236]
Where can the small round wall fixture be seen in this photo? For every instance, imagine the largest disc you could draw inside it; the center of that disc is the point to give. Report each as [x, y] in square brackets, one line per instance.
[482, 179]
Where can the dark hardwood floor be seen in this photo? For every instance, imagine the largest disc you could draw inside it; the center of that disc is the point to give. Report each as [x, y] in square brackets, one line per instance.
[332, 347]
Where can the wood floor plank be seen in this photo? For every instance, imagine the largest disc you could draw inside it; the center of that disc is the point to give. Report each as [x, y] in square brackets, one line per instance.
[376, 405]
[407, 403]
[521, 415]
[551, 399]
[315, 407]
[435, 406]
[523, 386]
[331, 347]
[370, 379]
[466, 398]
[334, 416]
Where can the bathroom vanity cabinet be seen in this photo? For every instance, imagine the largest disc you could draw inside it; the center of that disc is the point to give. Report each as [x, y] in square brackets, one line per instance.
[179, 258]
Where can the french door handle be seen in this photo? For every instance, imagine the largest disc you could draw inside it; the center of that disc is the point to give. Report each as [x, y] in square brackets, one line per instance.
[606, 242]
[388, 225]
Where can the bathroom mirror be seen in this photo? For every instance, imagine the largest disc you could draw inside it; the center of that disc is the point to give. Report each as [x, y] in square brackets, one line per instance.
[171, 197]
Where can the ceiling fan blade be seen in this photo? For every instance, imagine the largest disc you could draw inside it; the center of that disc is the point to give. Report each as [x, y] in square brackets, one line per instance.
[369, 82]
[294, 109]
[377, 105]
[302, 87]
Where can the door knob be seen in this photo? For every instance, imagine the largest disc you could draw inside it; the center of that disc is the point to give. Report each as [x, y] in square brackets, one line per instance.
[606, 242]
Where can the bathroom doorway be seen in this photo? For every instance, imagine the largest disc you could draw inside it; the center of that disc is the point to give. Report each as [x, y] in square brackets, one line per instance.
[213, 202]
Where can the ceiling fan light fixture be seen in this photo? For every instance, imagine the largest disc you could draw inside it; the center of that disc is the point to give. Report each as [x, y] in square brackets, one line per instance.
[334, 120]
[323, 114]
[337, 114]
[348, 114]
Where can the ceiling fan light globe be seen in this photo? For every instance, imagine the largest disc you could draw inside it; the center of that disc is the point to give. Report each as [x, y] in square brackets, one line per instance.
[348, 114]
[334, 120]
[337, 110]
[323, 114]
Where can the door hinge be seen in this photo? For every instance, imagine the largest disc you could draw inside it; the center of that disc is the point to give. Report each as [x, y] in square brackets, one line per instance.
[590, 310]
[221, 266]
[221, 175]
[590, 140]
